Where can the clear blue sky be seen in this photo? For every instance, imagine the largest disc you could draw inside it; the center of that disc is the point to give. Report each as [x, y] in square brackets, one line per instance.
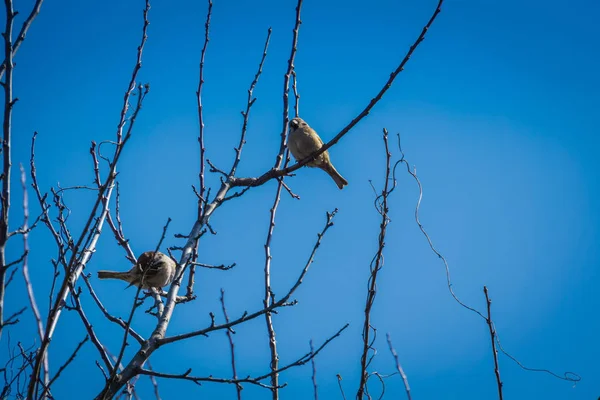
[498, 111]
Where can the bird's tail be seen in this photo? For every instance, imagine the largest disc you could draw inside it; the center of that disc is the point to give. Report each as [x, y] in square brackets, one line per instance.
[339, 179]
[124, 276]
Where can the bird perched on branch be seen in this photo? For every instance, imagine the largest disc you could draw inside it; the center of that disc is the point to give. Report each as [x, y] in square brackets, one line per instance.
[153, 269]
[303, 141]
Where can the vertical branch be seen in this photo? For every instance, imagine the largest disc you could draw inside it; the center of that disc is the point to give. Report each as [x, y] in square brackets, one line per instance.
[201, 200]
[6, 142]
[296, 95]
[376, 265]
[286, 86]
[268, 300]
[34, 12]
[493, 338]
[229, 331]
[28, 285]
[314, 370]
[399, 367]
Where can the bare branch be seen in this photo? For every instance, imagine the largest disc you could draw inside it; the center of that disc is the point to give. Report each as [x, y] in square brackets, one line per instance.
[229, 333]
[296, 95]
[376, 265]
[277, 172]
[339, 379]
[493, 339]
[222, 267]
[268, 296]
[200, 116]
[34, 12]
[249, 103]
[6, 150]
[314, 368]
[399, 367]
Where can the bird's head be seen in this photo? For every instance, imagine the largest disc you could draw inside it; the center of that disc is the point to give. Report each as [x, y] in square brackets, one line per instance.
[295, 123]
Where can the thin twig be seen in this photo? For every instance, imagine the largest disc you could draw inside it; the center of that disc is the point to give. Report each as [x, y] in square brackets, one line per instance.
[229, 333]
[249, 104]
[314, 371]
[399, 367]
[493, 339]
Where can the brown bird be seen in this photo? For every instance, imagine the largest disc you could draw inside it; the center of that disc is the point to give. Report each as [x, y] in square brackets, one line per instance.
[303, 141]
[153, 269]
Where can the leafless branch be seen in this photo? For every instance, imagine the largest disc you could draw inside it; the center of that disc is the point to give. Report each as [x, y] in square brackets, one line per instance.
[222, 267]
[6, 150]
[493, 339]
[375, 267]
[268, 298]
[34, 12]
[296, 95]
[277, 172]
[200, 116]
[229, 333]
[314, 369]
[249, 103]
[339, 379]
[399, 367]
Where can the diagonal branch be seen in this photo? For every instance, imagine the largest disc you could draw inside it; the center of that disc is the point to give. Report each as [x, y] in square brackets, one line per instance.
[276, 172]
[399, 367]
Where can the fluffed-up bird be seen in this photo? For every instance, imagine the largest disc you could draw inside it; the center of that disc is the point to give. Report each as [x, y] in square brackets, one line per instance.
[303, 141]
[153, 269]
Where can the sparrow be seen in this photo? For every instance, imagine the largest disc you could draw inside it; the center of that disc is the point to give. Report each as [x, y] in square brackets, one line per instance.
[303, 141]
[153, 269]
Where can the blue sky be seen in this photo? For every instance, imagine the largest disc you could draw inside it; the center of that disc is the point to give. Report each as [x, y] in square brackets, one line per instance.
[497, 110]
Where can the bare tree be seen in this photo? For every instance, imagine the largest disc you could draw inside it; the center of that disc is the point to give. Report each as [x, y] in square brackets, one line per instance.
[27, 372]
